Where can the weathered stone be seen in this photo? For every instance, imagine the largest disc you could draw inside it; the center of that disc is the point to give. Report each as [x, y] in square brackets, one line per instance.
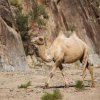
[80, 15]
[27, 6]
[6, 13]
[12, 56]
[31, 61]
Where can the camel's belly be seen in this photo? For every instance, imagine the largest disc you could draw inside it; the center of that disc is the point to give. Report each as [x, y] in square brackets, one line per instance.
[73, 55]
[73, 59]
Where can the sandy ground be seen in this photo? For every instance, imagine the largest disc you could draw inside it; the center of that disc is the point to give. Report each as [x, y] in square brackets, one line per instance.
[9, 82]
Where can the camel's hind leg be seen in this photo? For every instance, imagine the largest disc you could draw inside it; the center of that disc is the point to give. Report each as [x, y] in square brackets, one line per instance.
[90, 68]
[84, 71]
[84, 62]
[87, 65]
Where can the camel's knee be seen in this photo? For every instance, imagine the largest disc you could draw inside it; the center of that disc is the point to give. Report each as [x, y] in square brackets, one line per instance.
[59, 64]
[90, 68]
[61, 68]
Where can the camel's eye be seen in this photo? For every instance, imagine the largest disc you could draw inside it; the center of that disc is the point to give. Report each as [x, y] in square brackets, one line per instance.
[41, 39]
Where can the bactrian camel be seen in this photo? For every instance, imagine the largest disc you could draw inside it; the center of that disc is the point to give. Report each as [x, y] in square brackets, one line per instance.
[64, 50]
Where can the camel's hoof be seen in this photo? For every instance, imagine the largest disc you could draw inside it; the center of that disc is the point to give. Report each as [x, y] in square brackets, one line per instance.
[46, 86]
[66, 86]
[93, 85]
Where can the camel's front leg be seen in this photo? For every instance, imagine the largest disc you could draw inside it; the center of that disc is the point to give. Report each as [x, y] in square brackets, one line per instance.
[63, 74]
[50, 76]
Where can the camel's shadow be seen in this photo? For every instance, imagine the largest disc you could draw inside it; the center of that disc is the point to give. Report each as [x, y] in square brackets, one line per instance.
[50, 87]
[58, 87]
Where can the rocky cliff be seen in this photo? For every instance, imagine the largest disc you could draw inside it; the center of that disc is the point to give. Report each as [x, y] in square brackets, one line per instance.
[12, 55]
[82, 16]
[48, 17]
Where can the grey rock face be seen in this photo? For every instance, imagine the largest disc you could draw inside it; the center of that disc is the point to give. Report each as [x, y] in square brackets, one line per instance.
[79, 15]
[5, 13]
[12, 56]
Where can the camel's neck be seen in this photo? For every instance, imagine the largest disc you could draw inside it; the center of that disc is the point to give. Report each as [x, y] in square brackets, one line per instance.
[43, 53]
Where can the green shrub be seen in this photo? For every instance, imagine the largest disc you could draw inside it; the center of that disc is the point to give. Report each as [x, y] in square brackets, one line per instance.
[79, 85]
[98, 3]
[41, 22]
[22, 23]
[14, 2]
[37, 12]
[26, 85]
[56, 95]
[19, 10]
[71, 28]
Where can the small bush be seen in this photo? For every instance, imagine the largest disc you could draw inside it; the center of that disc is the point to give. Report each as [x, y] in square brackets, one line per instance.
[41, 22]
[18, 11]
[79, 85]
[71, 28]
[26, 85]
[56, 95]
[22, 23]
[98, 3]
[37, 12]
[91, 64]
[14, 2]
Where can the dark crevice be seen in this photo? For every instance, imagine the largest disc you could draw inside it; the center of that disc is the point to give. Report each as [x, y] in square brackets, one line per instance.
[58, 1]
[64, 20]
[8, 22]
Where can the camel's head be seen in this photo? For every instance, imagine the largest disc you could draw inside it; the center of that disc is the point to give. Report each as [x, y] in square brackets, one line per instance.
[38, 40]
